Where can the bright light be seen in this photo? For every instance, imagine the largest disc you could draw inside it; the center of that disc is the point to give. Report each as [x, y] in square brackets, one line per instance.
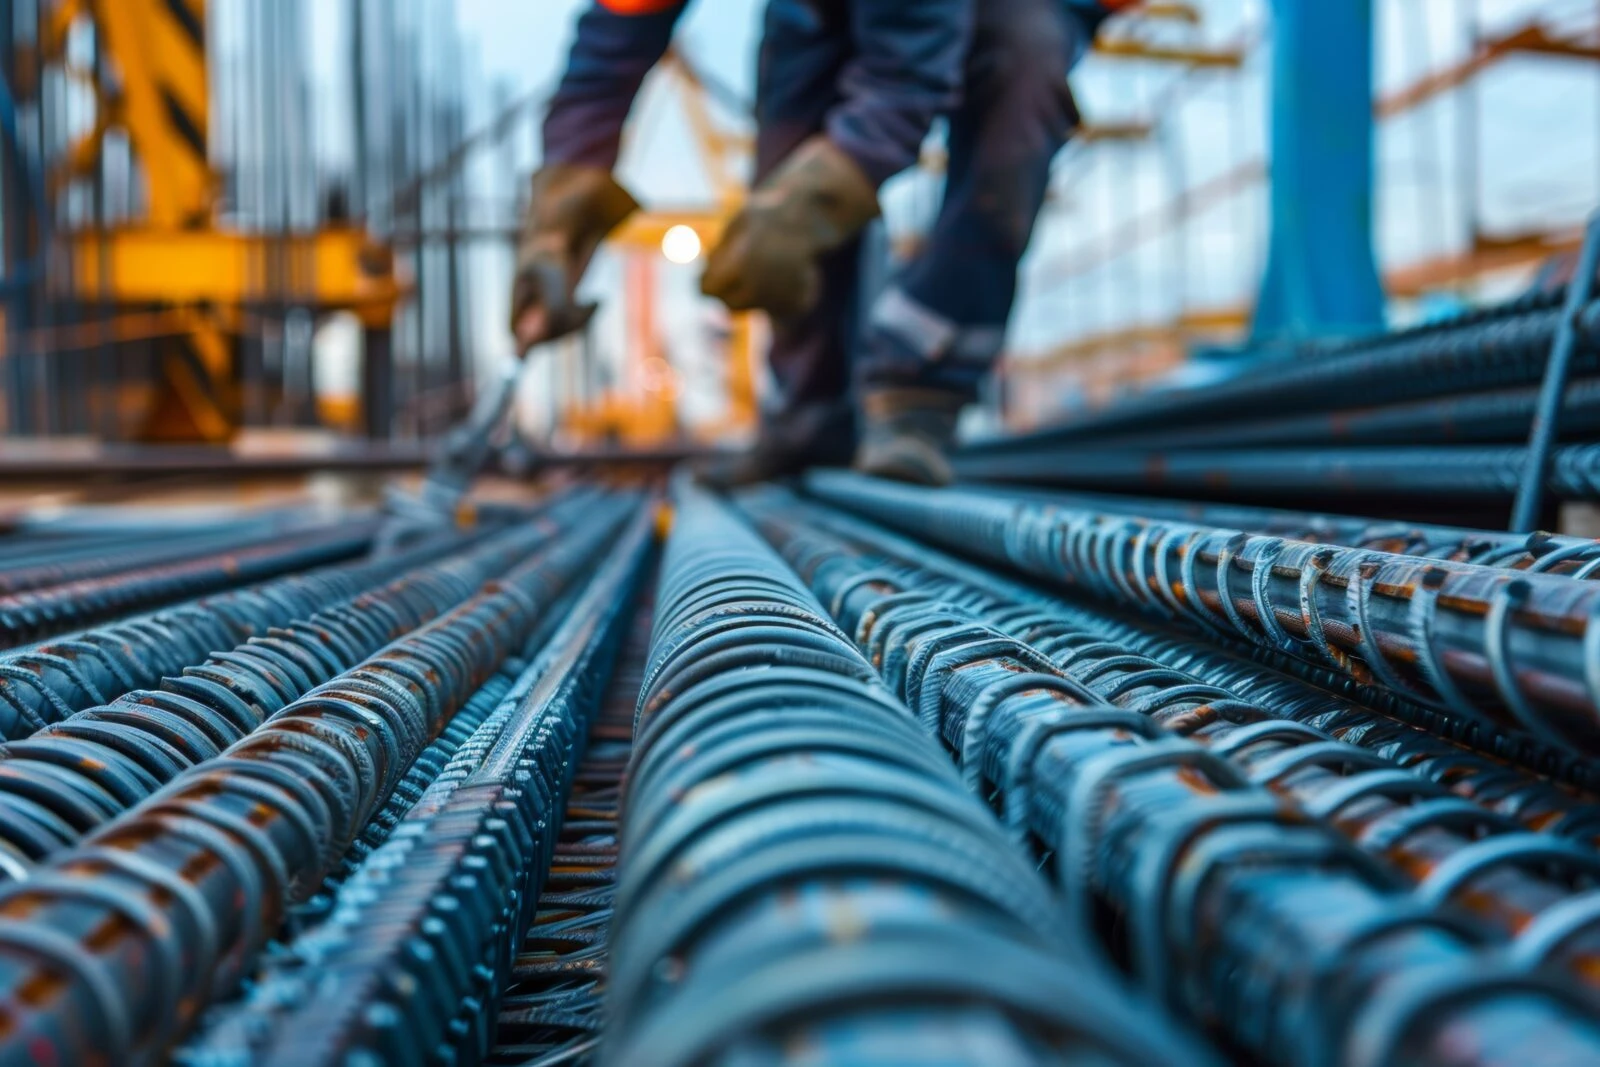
[681, 245]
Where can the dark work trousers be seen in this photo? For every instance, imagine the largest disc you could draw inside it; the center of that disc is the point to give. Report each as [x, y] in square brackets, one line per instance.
[941, 321]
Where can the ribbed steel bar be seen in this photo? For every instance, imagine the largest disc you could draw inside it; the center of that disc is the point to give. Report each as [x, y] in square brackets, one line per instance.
[1519, 649]
[102, 557]
[1557, 761]
[116, 943]
[1577, 557]
[75, 775]
[1172, 659]
[1470, 473]
[552, 1010]
[411, 964]
[800, 867]
[1498, 416]
[53, 549]
[44, 683]
[1394, 792]
[1199, 847]
[38, 613]
[1495, 349]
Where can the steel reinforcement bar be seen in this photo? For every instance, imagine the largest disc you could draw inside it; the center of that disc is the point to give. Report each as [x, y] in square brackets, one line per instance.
[1136, 659]
[46, 682]
[411, 964]
[116, 943]
[1472, 473]
[101, 557]
[1519, 649]
[554, 1004]
[1484, 351]
[1399, 799]
[77, 774]
[1575, 557]
[1496, 416]
[1195, 834]
[800, 866]
[38, 613]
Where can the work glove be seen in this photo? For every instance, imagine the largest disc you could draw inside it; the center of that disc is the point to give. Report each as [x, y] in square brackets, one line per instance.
[767, 260]
[570, 211]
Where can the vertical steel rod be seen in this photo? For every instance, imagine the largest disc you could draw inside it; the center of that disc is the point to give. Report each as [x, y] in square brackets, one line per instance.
[1541, 438]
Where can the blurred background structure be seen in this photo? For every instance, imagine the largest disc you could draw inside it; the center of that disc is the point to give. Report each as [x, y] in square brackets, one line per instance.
[1238, 703]
[287, 225]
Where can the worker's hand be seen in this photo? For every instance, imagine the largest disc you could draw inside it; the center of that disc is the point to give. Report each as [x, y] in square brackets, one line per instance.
[767, 260]
[570, 211]
[762, 264]
[543, 299]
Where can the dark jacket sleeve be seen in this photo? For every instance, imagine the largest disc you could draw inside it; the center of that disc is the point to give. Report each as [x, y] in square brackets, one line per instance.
[617, 43]
[906, 71]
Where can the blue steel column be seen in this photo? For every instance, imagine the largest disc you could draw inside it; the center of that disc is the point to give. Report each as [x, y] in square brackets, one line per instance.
[1321, 277]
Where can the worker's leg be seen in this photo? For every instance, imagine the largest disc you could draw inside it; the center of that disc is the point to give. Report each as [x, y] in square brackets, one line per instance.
[872, 75]
[941, 324]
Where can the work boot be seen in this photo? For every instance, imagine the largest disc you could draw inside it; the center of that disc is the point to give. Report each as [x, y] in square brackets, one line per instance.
[570, 210]
[767, 260]
[907, 433]
[819, 435]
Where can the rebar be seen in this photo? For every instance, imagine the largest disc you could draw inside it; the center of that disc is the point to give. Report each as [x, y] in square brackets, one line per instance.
[1496, 416]
[1577, 557]
[38, 613]
[74, 775]
[800, 865]
[44, 683]
[59, 564]
[1466, 473]
[1071, 734]
[1495, 348]
[1515, 648]
[121, 939]
[418, 947]
[552, 1010]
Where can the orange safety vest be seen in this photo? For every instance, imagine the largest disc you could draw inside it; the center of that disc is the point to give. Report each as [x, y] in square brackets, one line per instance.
[639, 7]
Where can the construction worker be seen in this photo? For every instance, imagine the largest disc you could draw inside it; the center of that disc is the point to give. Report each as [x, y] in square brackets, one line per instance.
[846, 93]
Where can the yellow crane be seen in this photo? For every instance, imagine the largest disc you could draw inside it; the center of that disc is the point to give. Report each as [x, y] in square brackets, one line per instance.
[178, 271]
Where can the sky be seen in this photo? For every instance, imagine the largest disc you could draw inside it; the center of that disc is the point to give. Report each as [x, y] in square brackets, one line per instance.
[1538, 161]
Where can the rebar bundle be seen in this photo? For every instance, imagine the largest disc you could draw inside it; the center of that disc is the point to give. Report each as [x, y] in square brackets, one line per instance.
[53, 609]
[874, 773]
[776, 791]
[163, 908]
[70, 777]
[458, 878]
[1464, 418]
[1480, 473]
[1140, 658]
[1577, 557]
[46, 682]
[1481, 642]
[1497, 348]
[1023, 697]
